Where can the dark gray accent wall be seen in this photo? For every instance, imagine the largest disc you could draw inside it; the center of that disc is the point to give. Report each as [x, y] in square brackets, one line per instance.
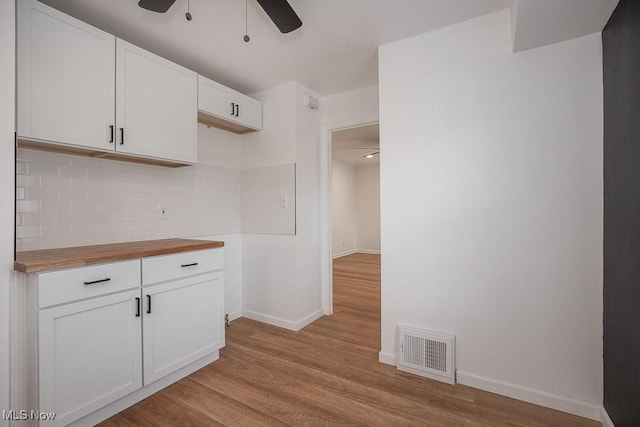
[621, 59]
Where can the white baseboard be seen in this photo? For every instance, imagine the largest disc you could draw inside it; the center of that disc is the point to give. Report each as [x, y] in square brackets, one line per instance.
[368, 251]
[387, 358]
[537, 397]
[283, 323]
[356, 251]
[605, 419]
[234, 316]
[345, 253]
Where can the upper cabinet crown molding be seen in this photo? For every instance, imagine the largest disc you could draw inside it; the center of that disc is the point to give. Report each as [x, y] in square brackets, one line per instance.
[73, 93]
[227, 109]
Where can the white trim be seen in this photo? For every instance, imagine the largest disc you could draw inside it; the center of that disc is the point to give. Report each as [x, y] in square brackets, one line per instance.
[326, 252]
[345, 253]
[133, 398]
[368, 251]
[387, 358]
[356, 251]
[234, 316]
[283, 323]
[537, 397]
[605, 419]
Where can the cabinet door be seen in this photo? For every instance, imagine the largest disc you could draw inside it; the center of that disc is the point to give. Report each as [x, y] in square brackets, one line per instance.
[215, 99]
[156, 106]
[65, 78]
[183, 322]
[89, 354]
[249, 111]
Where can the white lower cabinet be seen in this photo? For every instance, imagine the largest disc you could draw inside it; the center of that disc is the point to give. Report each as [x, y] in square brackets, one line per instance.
[99, 338]
[182, 323]
[90, 354]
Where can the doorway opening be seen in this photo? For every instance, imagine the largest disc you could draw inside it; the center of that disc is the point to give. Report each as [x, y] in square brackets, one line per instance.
[355, 223]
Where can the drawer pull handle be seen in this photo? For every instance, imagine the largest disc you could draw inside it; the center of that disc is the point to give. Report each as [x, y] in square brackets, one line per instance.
[189, 265]
[97, 281]
[148, 304]
[137, 306]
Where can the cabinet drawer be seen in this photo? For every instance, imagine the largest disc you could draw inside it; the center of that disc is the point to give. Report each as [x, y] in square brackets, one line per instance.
[59, 287]
[184, 264]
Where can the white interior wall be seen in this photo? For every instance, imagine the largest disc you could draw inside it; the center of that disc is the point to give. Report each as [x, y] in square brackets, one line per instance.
[343, 208]
[280, 272]
[7, 215]
[269, 200]
[268, 261]
[368, 208]
[491, 203]
[307, 206]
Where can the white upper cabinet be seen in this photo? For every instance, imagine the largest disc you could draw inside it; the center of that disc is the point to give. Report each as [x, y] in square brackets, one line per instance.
[65, 78]
[226, 108]
[81, 87]
[156, 109]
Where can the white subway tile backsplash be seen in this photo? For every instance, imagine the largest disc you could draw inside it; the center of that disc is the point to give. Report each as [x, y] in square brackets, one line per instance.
[53, 230]
[38, 218]
[21, 193]
[38, 193]
[78, 195]
[23, 206]
[22, 167]
[54, 181]
[27, 231]
[71, 217]
[83, 229]
[27, 180]
[66, 200]
[54, 206]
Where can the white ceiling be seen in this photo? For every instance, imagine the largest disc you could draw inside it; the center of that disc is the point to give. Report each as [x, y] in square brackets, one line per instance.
[351, 145]
[542, 22]
[336, 48]
[334, 51]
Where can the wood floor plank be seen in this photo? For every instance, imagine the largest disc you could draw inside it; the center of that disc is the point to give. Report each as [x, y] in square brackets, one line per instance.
[327, 374]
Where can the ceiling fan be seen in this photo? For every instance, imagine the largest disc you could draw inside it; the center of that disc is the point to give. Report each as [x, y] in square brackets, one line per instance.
[280, 12]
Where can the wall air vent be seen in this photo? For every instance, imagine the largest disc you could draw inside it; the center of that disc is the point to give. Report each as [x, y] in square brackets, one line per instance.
[426, 353]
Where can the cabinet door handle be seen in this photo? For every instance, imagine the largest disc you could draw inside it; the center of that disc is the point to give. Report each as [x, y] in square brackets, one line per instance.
[97, 281]
[233, 108]
[237, 110]
[148, 304]
[137, 306]
[112, 131]
[121, 136]
[189, 265]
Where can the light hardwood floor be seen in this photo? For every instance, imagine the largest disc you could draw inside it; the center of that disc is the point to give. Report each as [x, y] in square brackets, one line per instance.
[326, 374]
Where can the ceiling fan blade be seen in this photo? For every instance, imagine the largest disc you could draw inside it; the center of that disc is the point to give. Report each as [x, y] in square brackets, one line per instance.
[282, 14]
[160, 6]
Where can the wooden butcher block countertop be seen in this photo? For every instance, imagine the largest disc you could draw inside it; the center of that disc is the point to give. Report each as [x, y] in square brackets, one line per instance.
[52, 259]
